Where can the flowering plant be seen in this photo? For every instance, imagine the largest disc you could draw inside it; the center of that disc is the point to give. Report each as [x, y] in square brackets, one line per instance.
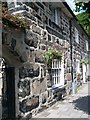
[53, 54]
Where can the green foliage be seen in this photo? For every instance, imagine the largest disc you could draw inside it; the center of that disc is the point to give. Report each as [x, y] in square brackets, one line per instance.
[85, 62]
[82, 6]
[84, 16]
[84, 20]
[52, 54]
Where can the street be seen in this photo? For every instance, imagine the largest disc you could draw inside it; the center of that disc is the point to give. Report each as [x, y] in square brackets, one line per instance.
[73, 106]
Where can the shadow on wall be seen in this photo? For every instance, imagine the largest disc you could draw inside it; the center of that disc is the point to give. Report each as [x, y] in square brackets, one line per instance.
[82, 103]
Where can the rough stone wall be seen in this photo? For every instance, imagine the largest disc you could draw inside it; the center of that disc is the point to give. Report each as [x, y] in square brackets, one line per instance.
[34, 75]
[34, 83]
[34, 78]
[79, 52]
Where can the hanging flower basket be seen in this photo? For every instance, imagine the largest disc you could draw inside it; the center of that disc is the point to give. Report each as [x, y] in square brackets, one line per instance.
[52, 54]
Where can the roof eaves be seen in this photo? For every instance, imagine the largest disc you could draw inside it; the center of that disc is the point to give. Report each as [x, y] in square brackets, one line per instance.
[67, 6]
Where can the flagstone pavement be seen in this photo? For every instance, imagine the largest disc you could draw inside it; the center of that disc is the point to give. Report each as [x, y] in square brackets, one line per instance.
[73, 106]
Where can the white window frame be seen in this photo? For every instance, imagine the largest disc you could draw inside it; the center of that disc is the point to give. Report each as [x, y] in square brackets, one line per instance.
[86, 45]
[77, 66]
[76, 36]
[56, 16]
[56, 68]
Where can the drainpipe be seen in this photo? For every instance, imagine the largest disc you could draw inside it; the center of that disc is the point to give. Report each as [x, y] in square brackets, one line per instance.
[71, 56]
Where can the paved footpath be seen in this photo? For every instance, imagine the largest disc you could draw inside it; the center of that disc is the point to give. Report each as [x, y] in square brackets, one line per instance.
[73, 106]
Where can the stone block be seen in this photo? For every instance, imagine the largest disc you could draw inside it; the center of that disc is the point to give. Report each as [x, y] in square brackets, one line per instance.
[44, 33]
[68, 76]
[39, 86]
[31, 39]
[41, 24]
[31, 55]
[39, 56]
[49, 84]
[29, 104]
[68, 63]
[57, 46]
[36, 29]
[26, 72]
[29, 70]
[23, 56]
[43, 99]
[50, 44]
[24, 88]
[28, 116]
[43, 47]
[36, 70]
[43, 41]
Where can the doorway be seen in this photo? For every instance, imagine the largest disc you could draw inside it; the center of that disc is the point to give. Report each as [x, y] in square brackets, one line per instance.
[8, 93]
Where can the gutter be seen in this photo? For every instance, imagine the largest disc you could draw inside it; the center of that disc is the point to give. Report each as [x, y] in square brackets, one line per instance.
[70, 23]
[71, 57]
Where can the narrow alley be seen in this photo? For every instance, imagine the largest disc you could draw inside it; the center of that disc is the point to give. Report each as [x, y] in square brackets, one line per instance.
[75, 106]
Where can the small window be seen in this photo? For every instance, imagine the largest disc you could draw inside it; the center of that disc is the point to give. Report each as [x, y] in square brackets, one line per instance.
[76, 36]
[87, 45]
[49, 37]
[56, 69]
[77, 66]
[56, 16]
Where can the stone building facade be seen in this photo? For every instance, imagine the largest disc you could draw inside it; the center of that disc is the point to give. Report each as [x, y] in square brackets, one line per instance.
[52, 25]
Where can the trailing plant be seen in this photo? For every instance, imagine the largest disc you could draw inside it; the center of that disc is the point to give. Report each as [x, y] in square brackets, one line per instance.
[52, 54]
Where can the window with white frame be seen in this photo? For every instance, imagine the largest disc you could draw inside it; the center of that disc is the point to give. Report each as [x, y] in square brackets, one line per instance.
[76, 36]
[87, 45]
[56, 69]
[77, 66]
